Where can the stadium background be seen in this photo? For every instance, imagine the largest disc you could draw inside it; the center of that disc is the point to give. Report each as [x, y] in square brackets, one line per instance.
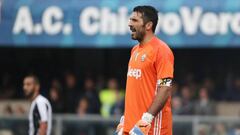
[80, 51]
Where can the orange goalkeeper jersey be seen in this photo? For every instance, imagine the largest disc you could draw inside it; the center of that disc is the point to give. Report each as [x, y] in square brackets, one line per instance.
[148, 64]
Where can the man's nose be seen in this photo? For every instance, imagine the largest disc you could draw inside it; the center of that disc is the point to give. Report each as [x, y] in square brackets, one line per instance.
[129, 23]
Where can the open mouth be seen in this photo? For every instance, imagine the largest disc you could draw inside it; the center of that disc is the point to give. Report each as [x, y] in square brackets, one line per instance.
[132, 29]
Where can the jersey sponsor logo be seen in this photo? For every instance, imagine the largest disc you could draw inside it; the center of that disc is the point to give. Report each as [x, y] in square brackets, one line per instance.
[134, 72]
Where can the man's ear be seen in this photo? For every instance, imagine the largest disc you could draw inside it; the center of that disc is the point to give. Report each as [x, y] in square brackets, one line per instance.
[38, 87]
[149, 25]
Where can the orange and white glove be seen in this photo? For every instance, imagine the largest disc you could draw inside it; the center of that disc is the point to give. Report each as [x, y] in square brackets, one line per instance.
[143, 126]
[119, 130]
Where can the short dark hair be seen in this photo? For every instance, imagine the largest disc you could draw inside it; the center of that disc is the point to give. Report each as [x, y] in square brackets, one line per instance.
[35, 78]
[149, 13]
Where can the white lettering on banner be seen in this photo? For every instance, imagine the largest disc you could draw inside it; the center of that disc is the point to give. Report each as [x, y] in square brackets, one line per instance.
[235, 25]
[50, 14]
[123, 21]
[88, 20]
[94, 20]
[23, 21]
[190, 20]
[134, 72]
[51, 22]
[224, 22]
[108, 22]
[171, 24]
[102, 20]
[209, 24]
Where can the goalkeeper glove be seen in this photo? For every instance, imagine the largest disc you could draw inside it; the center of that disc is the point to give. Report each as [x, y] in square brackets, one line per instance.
[119, 130]
[143, 126]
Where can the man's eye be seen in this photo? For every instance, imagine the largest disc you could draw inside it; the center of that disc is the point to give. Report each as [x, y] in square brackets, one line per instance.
[132, 19]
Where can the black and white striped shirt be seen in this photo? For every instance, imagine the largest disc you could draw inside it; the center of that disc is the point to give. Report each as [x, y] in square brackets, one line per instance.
[40, 111]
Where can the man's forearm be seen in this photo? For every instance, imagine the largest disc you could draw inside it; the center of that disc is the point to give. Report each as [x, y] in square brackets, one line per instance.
[42, 129]
[163, 92]
[144, 125]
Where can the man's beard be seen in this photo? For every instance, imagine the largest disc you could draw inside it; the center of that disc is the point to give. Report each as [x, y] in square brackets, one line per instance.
[139, 35]
[29, 95]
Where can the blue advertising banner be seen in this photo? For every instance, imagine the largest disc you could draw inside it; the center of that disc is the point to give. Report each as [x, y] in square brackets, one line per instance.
[95, 23]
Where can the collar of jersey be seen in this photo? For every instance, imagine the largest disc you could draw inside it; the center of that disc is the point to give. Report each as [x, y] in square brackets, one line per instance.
[147, 43]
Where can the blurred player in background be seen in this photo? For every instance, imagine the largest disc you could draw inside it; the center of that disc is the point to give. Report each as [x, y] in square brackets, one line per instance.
[40, 115]
[149, 77]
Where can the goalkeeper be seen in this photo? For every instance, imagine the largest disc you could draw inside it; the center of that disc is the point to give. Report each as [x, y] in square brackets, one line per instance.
[149, 78]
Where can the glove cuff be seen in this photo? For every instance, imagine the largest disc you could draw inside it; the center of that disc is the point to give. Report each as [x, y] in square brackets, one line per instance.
[148, 117]
[122, 119]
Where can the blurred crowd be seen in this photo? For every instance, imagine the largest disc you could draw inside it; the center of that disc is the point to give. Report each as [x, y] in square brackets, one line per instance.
[95, 96]
[199, 98]
[106, 97]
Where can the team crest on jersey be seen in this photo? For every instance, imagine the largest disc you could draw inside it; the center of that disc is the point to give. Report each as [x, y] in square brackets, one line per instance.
[143, 57]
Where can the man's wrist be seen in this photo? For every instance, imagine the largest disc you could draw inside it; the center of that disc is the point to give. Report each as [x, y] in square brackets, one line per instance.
[148, 117]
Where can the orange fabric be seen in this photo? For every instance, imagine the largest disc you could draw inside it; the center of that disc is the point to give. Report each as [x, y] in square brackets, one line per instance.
[148, 63]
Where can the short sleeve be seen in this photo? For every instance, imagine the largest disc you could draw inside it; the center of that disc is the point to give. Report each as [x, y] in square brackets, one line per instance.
[164, 64]
[42, 108]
